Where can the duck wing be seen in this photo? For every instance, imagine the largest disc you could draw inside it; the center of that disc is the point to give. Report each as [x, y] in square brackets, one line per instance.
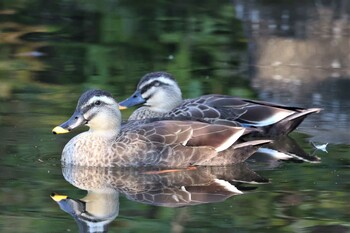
[254, 113]
[221, 109]
[191, 134]
[171, 143]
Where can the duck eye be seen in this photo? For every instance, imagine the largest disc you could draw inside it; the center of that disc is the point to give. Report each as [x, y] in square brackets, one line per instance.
[156, 84]
[98, 102]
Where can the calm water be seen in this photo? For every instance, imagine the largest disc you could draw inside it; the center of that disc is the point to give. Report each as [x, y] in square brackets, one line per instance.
[50, 52]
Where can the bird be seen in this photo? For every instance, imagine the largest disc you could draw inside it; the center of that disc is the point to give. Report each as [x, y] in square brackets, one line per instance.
[161, 97]
[160, 143]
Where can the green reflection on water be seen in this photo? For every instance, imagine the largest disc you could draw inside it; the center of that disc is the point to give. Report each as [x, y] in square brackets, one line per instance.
[50, 51]
[105, 45]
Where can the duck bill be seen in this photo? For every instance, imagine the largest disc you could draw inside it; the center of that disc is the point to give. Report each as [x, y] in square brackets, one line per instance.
[74, 121]
[133, 100]
[58, 197]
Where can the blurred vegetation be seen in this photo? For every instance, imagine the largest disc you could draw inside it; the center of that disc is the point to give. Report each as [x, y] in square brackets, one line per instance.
[50, 51]
[103, 44]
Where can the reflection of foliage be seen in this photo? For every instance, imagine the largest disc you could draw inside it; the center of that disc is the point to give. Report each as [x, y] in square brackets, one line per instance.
[110, 44]
[103, 43]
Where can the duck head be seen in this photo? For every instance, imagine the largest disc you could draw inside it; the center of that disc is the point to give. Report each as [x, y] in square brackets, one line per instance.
[158, 91]
[96, 109]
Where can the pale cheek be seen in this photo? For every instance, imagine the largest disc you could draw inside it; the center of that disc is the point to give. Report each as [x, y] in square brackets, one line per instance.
[100, 122]
[158, 99]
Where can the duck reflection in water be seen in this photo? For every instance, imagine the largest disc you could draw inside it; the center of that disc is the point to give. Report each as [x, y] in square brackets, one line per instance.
[152, 186]
[283, 149]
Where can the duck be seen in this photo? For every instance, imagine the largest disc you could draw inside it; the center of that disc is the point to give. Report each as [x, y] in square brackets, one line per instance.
[160, 143]
[161, 97]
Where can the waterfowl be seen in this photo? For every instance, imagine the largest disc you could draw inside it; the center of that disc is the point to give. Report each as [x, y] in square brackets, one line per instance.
[160, 96]
[167, 143]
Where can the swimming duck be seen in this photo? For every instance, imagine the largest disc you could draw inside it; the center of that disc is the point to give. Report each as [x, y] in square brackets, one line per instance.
[165, 143]
[160, 96]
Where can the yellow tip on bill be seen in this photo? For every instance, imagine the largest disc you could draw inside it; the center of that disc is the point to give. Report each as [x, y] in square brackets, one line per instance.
[122, 107]
[59, 130]
[57, 197]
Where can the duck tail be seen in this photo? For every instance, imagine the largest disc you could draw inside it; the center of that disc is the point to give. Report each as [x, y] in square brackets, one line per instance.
[239, 152]
[289, 123]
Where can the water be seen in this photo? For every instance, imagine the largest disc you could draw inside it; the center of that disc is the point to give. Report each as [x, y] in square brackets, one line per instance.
[283, 52]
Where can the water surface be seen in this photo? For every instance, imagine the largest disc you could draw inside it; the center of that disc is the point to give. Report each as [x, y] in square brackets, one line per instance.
[275, 51]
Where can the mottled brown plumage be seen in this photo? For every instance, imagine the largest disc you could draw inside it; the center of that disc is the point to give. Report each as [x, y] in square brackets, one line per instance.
[148, 143]
[161, 98]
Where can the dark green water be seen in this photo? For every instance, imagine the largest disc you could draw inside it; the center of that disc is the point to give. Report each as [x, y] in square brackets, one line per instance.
[51, 51]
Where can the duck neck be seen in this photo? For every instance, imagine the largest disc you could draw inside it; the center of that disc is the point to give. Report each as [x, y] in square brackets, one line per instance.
[166, 107]
[106, 125]
[164, 102]
[109, 134]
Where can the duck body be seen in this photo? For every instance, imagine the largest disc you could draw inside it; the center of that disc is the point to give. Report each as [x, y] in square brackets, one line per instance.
[167, 143]
[149, 145]
[273, 119]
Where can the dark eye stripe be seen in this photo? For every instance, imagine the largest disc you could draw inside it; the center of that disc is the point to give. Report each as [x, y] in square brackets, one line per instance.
[87, 108]
[90, 106]
[150, 85]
